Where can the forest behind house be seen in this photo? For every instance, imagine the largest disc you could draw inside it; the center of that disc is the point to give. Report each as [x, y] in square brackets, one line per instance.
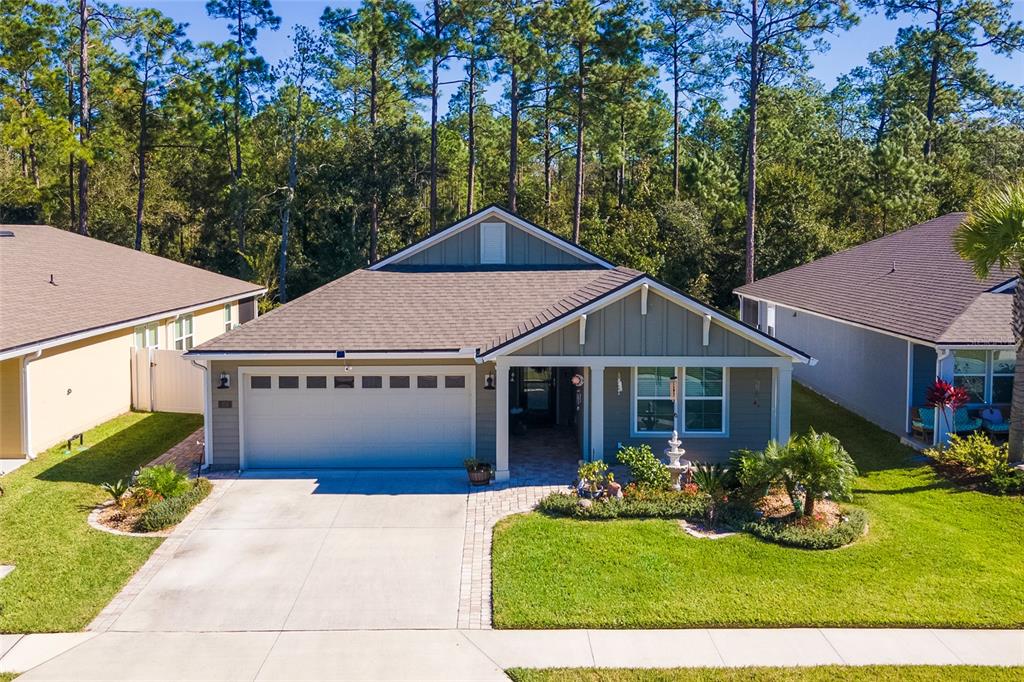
[601, 121]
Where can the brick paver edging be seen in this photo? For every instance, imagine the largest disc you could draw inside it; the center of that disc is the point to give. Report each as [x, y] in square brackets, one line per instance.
[484, 508]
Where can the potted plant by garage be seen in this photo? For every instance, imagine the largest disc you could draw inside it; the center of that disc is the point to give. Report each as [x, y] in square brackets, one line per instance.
[479, 472]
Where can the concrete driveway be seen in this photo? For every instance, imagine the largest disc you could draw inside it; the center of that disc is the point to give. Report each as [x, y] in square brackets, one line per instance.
[315, 551]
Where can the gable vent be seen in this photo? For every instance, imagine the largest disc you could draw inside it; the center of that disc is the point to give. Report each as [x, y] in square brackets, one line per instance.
[492, 243]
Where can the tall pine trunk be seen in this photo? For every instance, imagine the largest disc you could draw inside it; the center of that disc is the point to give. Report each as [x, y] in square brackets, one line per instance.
[933, 84]
[69, 67]
[513, 144]
[1016, 435]
[141, 152]
[752, 144]
[237, 129]
[548, 154]
[286, 212]
[577, 199]
[83, 115]
[675, 118]
[471, 141]
[374, 195]
[435, 65]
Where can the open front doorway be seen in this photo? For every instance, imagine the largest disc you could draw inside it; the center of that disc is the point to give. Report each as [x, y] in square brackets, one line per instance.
[546, 417]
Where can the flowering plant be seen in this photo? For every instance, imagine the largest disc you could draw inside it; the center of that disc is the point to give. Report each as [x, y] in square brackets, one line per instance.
[946, 397]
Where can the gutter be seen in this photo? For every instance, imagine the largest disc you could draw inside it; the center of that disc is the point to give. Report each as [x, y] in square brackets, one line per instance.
[26, 395]
[123, 324]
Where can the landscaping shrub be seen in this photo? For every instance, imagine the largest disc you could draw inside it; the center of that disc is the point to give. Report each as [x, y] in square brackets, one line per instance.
[163, 479]
[637, 503]
[975, 456]
[644, 468]
[808, 532]
[172, 510]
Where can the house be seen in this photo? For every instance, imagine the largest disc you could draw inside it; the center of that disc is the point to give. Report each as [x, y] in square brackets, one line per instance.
[490, 326]
[885, 318]
[72, 308]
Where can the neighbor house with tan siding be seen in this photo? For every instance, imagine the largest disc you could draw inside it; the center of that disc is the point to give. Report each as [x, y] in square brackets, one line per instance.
[492, 339]
[71, 310]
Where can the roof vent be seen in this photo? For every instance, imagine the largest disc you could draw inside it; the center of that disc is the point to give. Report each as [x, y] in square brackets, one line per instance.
[6, 233]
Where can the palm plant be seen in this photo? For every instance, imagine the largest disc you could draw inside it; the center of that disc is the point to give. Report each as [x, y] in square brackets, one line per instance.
[993, 234]
[821, 465]
[117, 490]
[711, 479]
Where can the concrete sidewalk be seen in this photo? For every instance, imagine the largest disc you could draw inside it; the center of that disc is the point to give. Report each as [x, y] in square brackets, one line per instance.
[482, 654]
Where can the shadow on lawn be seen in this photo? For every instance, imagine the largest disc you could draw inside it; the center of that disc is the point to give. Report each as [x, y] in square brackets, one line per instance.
[118, 454]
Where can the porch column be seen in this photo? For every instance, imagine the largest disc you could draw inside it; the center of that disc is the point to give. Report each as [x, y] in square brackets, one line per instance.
[784, 398]
[596, 413]
[943, 417]
[501, 375]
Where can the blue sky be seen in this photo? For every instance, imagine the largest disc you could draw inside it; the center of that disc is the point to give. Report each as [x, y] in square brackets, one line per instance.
[849, 49]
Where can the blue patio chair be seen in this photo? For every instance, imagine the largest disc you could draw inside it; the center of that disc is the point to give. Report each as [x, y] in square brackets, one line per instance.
[963, 422]
[922, 422]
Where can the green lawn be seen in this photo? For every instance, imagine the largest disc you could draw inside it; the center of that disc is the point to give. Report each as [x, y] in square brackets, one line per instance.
[65, 572]
[935, 555]
[820, 674]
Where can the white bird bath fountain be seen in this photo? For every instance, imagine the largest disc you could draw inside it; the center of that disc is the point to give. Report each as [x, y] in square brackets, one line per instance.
[677, 466]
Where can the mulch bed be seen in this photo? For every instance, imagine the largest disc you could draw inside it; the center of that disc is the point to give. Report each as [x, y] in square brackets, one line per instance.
[777, 505]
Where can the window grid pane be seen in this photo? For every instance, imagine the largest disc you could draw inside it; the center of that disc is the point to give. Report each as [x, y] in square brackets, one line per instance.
[704, 382]
[654, 415]
[654, 382]
[704, 416]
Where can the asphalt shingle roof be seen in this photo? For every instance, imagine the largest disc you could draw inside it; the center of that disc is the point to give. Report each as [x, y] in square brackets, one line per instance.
[422, 310]
[911, 283]
[95, 284]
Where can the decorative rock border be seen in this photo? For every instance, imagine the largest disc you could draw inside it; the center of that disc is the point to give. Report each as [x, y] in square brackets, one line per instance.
[94, 521]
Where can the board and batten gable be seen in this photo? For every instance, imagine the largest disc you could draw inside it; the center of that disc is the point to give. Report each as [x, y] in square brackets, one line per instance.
[621, 328]
[463, 249]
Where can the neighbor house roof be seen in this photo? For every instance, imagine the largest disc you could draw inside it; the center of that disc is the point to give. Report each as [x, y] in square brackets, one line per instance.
[427, 310]
[911, 283]
[55, 284]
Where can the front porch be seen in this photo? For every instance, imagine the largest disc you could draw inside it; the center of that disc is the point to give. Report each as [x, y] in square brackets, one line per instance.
[596, 410]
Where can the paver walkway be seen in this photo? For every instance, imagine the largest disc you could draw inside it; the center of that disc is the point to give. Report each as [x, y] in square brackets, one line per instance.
[187, 455]
[483, 655]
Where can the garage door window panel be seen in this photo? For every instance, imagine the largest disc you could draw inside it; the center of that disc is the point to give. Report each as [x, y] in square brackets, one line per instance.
[316, 382]
[455, 381]
[398, 382]
[344, 382]
[372, 382]
[426, 382]
[287, 382]
[260, 382]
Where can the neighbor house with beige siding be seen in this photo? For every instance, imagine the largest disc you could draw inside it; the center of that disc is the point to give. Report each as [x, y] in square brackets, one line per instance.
[72, 309]
[490, 339]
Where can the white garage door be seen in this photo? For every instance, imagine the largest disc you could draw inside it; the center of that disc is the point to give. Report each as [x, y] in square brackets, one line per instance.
[391, 418]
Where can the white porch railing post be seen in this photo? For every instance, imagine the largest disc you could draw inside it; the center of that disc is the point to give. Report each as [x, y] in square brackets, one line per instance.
[596, 413]
[501, 376]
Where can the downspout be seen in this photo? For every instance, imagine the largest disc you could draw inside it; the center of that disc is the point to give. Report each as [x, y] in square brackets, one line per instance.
[26, 395]
[207, 416]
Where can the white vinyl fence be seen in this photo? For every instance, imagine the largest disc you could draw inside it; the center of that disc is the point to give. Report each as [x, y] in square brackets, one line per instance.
[165, 381]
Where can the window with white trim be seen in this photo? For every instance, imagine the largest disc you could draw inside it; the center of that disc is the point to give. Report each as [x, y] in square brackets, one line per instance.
[703, 400]
[654, 408]
[183, 332]
[970, 372]
[146, 336]
[1004, 362]
[770, 321]
[229, 320]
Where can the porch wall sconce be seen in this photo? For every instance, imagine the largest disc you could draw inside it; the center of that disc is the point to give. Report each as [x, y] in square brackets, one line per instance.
[225, 381]
[489, 381]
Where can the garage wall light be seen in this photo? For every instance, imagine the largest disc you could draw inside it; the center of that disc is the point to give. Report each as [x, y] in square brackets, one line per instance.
[489, 381]
[225, 381]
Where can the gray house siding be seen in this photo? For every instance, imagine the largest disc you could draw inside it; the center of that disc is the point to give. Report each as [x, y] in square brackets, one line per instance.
[463, 249]
[667, 329]
[486, 413]
[863, 370]
[749, 421]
